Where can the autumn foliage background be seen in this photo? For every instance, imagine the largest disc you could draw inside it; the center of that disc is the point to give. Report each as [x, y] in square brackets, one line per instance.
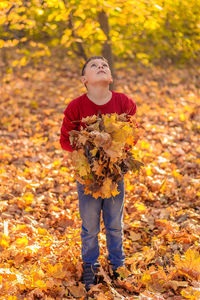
[39, 220]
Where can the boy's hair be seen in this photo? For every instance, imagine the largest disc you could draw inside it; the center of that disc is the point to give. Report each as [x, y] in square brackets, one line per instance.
[89, 59]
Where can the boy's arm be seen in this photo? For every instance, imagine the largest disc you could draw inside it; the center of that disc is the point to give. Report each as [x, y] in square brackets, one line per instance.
[130, 107]
[67, 126]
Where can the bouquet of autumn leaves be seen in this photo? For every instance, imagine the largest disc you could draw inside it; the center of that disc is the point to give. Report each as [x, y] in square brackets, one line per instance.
[104, 152]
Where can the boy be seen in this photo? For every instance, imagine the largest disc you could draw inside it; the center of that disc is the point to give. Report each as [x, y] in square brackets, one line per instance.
[96, 76]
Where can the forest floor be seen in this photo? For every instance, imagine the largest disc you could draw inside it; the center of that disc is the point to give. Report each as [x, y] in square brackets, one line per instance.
[40, 247]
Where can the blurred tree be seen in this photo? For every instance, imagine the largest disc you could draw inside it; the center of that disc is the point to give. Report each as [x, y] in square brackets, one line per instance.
[106, 49]
[144, 31]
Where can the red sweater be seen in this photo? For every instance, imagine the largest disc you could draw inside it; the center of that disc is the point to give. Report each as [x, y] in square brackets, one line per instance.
[82, 107]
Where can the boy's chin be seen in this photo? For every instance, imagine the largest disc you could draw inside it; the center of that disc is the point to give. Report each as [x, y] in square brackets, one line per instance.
[105, 81]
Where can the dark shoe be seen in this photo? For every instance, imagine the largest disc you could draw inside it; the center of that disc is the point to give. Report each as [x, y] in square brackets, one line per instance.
[116, 275]
[89, 274]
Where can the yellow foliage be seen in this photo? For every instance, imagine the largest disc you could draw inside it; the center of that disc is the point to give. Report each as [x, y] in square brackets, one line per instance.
[191, 293]
[158, 222]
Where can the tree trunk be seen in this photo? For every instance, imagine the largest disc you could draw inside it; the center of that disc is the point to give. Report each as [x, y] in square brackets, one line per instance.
[80, 51]
[107, 48]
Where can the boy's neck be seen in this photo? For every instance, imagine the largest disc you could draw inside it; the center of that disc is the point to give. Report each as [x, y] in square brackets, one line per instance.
[99, 95]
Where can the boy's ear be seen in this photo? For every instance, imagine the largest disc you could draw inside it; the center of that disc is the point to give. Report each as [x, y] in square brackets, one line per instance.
[83, 79]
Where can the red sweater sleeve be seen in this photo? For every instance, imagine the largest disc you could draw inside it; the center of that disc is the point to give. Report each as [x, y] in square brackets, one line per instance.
[129, 106]
[69, 123]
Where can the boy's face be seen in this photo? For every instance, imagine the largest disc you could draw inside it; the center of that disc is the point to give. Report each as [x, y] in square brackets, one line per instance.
[96, 71]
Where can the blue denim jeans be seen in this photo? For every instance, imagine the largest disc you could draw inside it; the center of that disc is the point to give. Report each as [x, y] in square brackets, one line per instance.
[90, 213]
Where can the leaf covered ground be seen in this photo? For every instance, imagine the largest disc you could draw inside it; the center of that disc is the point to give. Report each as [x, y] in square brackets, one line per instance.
[39, 219]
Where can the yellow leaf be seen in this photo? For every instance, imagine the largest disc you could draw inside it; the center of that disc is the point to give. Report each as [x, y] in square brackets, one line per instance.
[28, 197]
[81, 163]
[94, 151]
[56, 163]
[37, 275]
[123, 272]
[34, 104]
[114, 190]
[22, 242]
[176, 174]
[110, 123]
[140, 206]
[189, 265]
[56, 271]
[42, 231]
[148, 171]
[130, 140]
[4, 240]
[107, 187]
[182, 117]
[144, 145]
[39, 284]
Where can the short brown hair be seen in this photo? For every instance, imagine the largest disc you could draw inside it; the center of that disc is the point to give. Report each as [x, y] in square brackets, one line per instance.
[89, 59]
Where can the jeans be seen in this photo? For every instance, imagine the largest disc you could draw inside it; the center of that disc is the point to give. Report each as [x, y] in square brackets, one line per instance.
[90, 213]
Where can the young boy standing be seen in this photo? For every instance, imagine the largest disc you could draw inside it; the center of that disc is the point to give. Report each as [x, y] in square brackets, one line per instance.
[96, 76]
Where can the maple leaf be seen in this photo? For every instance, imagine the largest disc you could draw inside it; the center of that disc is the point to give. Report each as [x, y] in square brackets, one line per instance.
[82, 138]
[110, 122]
[114, 190]
[81, 163]
[90, 119]
[101, 139]
[98, 168]
[134, 165]
[114, 151]
[189, 264]
[77, 291]
[56, 271]
[174, 284]
[107, 187]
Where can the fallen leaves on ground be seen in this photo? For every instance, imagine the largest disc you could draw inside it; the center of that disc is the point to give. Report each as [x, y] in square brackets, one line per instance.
[40, 246]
